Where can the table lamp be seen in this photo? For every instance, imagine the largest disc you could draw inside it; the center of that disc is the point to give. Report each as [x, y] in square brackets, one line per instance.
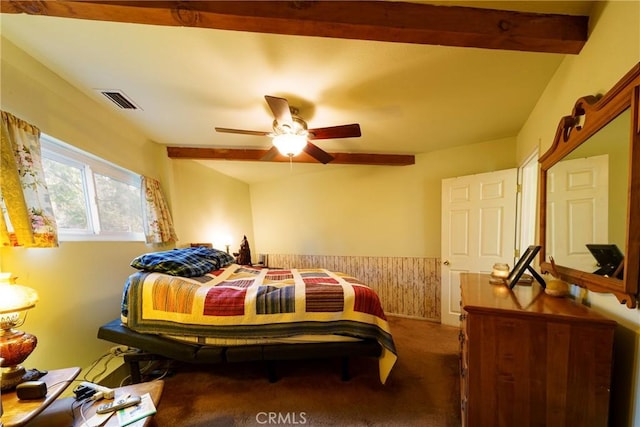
[15, 346]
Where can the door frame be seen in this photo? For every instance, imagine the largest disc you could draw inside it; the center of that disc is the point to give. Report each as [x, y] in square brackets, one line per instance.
[527, 203]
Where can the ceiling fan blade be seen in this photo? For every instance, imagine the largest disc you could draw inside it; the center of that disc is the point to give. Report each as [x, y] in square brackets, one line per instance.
[280, 109]
[317, 153]
[344, 131]
[244, 132]
[271, 154]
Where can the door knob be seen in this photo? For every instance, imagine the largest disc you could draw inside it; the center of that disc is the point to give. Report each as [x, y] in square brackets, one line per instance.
[446, 262]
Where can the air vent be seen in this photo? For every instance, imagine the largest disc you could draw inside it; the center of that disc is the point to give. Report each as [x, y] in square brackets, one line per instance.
[120, 99]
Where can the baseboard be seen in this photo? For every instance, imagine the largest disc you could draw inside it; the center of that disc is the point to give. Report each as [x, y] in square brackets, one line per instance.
[406, 316]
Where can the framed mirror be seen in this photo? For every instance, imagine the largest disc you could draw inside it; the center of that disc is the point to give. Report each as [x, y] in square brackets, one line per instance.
[590, 192]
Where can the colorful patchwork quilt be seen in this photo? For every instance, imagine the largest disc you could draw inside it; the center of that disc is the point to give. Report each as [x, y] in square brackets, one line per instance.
[245, 302]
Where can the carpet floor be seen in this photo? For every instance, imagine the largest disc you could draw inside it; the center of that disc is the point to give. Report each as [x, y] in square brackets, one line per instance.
[422, 390]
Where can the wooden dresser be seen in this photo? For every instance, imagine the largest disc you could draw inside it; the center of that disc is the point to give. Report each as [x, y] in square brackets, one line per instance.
[529, 359]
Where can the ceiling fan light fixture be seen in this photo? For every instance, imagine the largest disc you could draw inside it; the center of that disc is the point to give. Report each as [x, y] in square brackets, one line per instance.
[289, 144]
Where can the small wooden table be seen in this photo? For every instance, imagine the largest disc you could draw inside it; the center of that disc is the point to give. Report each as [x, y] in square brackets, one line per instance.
[18, 412]
[59, 414]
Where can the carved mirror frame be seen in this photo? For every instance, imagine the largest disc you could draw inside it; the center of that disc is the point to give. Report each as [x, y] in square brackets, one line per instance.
[589, 115]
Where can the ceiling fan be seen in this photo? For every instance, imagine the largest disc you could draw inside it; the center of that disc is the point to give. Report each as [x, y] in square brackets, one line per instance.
[291, 135]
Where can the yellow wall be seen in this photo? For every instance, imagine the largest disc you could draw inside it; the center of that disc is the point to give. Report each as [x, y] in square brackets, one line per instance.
[80, 283]
[210, 207]
[612, 50]
[367, 210]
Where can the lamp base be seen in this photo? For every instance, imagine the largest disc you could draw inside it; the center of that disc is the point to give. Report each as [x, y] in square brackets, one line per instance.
[15, 347]
[14, 375]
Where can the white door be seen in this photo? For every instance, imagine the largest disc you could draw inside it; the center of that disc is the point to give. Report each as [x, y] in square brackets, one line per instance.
[478, 230]
[527, 205]
[577, 210]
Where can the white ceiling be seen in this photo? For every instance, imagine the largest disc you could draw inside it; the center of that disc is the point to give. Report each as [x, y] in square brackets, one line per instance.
[407, 98]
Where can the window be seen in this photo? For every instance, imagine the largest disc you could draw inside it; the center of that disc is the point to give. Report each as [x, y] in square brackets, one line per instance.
[92, 199]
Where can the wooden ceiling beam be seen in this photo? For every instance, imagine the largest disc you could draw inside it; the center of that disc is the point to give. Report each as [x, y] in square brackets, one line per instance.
[389, 21]
[197, 153]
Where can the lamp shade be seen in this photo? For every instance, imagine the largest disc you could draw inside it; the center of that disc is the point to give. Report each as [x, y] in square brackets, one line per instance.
[289, 144]
[14, 298]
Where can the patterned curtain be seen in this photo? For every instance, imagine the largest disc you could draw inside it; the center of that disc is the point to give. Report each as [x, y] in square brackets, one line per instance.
[158, 227]
[27, 215]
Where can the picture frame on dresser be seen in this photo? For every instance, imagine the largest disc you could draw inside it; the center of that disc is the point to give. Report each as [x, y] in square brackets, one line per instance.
[524, 264]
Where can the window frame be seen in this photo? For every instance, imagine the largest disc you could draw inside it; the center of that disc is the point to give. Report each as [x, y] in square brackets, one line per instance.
[89, 164]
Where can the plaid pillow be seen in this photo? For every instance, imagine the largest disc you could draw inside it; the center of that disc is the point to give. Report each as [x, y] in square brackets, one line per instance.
[218, 257]
[185, 262]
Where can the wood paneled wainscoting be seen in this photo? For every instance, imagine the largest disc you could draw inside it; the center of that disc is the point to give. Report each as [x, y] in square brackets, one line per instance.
[407, 286]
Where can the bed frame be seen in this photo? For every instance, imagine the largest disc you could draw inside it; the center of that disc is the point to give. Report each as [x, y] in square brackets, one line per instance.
[154, 347]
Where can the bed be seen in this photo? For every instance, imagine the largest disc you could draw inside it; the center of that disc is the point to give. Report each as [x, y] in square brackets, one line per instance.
[196, 305]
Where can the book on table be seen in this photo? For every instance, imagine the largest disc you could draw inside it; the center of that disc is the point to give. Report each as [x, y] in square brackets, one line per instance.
[132, 414]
